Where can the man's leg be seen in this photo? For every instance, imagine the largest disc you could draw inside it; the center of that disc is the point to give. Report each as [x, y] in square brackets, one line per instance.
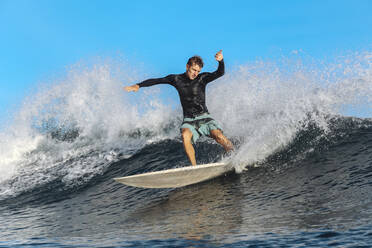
[189, 149]
[218, 136]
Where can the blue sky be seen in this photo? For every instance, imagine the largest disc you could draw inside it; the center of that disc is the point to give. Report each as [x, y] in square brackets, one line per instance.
[43, 37]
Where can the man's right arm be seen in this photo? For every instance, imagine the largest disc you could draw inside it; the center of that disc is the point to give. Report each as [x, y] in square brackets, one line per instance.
[150, 82]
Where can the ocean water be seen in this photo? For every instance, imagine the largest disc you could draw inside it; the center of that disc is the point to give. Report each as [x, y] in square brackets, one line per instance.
[303, 165]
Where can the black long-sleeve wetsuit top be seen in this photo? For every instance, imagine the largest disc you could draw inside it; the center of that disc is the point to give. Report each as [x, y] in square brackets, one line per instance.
[191, 92]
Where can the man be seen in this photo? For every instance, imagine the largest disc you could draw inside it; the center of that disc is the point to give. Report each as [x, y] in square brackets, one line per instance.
[191, 89]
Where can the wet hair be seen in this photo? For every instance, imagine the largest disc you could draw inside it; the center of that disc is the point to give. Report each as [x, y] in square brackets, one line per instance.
[195, 60]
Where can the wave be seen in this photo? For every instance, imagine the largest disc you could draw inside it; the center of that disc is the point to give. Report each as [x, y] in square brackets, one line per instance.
[74, 129]
[310, 147]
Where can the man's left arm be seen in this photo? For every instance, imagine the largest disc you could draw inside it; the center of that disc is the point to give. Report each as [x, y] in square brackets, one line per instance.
[220, 70]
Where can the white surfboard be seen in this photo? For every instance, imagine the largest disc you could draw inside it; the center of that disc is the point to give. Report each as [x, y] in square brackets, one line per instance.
[179, 177]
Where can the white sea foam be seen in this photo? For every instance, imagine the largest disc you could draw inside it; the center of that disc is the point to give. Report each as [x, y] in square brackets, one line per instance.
[263, 105]
[92, 102]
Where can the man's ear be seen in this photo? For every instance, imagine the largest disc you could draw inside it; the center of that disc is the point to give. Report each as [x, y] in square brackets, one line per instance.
[187, 67]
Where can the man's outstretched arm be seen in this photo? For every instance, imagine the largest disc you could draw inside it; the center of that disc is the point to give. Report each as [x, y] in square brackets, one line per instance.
[150, 82]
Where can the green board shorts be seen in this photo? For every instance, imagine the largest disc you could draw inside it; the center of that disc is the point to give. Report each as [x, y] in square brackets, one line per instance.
[201, 125]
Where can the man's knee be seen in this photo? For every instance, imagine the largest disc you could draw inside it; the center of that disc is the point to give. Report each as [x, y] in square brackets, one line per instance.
[186, 135]
[217, 135]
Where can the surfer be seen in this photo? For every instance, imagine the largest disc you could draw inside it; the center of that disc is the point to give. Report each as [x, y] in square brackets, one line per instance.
[191, 89]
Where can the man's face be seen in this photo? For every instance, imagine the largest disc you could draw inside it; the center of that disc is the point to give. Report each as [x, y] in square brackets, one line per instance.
[193, 71]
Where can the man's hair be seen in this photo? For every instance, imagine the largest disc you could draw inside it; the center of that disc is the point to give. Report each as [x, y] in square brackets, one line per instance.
[195, 60]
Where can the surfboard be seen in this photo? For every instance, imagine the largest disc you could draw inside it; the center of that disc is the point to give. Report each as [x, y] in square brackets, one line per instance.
[178, 177]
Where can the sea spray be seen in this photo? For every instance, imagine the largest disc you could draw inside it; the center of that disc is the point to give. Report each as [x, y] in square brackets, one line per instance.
[265, 104]
[73, 128]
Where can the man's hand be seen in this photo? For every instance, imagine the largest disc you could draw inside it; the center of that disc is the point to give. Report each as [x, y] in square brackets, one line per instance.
[219, 56]
[134, 87]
